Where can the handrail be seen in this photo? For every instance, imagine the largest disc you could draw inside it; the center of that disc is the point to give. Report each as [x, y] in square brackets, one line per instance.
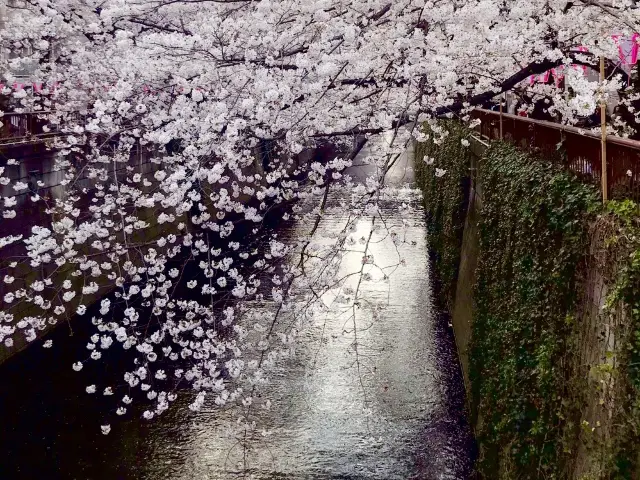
[565, 128]
[41, 137]
[571, 147]
[35, 112]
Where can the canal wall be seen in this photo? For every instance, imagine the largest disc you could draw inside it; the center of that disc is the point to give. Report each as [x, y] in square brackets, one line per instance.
[543, 289]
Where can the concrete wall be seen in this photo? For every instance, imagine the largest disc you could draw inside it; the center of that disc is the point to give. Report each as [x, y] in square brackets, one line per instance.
[462, 314]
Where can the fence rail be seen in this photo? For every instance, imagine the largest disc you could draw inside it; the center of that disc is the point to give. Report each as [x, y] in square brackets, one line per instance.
[25, 128]
[576, 149]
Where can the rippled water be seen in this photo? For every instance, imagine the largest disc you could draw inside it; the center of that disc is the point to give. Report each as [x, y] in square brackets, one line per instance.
[385, 402]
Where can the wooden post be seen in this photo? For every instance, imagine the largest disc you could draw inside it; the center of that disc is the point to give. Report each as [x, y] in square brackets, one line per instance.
[501, 98]
[603, 127]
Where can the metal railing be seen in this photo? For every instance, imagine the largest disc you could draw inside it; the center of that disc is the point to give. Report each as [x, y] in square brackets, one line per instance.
[574, 148]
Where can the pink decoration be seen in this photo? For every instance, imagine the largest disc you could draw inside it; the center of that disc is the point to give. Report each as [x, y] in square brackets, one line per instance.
[558, 74]
[627, 48]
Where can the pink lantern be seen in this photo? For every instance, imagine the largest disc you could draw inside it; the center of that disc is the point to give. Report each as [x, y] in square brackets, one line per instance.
[581, 49]
[558, 74]
[627, 48]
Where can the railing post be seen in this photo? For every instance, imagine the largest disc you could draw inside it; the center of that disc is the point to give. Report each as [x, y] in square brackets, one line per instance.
[501, 98]
[603, 128]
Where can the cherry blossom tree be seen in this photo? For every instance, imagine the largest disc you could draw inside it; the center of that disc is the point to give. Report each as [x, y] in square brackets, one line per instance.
[183, 122]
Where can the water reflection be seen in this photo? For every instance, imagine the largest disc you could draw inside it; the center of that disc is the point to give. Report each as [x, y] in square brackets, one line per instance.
[378, 397]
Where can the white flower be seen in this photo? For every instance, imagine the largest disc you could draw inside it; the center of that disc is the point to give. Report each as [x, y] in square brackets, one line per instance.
[107, 391]
[91, 389]
[105, 429]
[121, 411]
[126, 399]
[148, 415]
[77, 366]
[192, 284]
[464, 142]
[440, 172]
[47, 344]
[428, 160]
[68, 296]
[629, 173]
[81, 310]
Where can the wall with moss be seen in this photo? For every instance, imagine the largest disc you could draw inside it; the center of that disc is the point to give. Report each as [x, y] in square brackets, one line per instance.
[552, 359]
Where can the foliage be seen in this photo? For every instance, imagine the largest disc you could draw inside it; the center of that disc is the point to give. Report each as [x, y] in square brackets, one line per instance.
[621, 222]
[533, 237]
[444, 197]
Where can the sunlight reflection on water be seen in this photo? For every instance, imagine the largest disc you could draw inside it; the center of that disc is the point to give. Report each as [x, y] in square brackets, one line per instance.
[388, 405]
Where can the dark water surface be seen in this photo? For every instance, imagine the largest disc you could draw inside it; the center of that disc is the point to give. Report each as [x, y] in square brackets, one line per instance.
[389, 406]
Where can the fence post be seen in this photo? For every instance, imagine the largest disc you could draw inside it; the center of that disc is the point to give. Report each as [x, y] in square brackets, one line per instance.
[603, 128]
[501, 98]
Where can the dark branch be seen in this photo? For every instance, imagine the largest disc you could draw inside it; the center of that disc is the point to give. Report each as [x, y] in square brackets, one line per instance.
[534, 68]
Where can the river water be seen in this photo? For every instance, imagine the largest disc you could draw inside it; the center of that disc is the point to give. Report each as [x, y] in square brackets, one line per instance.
[386, 402]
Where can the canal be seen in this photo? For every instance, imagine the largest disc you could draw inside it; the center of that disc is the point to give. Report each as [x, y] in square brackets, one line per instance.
[378, 395]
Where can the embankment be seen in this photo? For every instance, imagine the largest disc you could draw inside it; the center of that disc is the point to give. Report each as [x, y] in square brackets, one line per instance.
[543, 285]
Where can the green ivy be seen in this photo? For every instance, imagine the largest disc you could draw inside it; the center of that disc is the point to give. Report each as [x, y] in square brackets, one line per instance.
[533, 238]
[623, 248]
[445, 198]
[538, 225]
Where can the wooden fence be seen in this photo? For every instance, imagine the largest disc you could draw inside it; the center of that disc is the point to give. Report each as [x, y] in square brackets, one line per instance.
[578, 150]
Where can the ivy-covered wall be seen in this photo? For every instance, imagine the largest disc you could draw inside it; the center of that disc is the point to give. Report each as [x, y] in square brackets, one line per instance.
[554, 368]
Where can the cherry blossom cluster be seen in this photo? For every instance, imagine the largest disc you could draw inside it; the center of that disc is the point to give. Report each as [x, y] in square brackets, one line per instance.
[161, 237]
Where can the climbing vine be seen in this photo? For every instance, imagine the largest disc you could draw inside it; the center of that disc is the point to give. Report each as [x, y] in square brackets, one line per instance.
[620, 261]
[533, 239]
[443, 173]
[555, 350]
